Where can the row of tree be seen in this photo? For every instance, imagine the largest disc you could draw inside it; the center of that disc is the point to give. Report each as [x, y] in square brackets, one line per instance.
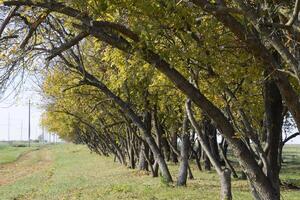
[157, 81]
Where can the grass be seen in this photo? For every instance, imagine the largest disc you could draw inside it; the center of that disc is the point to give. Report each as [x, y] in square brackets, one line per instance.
[10, 153]
[291, 167]
[75, 173]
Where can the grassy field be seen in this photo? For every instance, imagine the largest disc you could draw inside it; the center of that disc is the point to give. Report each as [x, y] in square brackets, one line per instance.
[71, 172]
[10, 153]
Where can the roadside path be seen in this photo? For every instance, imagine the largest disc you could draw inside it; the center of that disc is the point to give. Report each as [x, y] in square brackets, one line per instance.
[27, 164]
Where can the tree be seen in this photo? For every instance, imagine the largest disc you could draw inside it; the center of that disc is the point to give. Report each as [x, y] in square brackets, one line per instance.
[181, 46]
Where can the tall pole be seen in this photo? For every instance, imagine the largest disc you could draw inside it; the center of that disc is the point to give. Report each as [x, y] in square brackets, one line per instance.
[29, 122]
[8, 127]
[21, 130]
[43, 129]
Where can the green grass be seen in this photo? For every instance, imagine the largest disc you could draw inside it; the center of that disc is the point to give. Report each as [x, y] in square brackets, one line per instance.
[291, 167]
[75, 173]
[10, 153]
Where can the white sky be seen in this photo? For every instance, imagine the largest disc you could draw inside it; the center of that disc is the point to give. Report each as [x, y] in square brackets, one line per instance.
[14, 114]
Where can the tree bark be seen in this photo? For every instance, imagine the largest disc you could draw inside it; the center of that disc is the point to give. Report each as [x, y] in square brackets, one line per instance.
[274, 121]
[174, 144]
[184, 153]
[226, 185]
[143, 164]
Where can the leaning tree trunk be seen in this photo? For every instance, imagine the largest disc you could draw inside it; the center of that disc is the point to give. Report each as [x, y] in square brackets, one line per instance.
[211, 131]
[274, 121]
[165, 147]
[224, 174]
[144, 150]
[136, 119]
[155, 150]
[195, 153]
[207, 164]
[225, 177]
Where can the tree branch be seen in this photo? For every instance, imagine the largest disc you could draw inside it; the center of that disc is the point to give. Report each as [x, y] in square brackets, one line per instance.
[7, 18]
[117, 27]
[32, 29]
[289, 138]
[54, 6]
[295, 13]
[269, 36]
[55, 52]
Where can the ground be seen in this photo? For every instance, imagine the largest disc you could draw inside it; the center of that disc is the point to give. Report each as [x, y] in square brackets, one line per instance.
[70, 171]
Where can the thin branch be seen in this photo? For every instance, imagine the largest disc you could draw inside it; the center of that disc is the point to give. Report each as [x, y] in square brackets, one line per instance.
[295, 13]
[55, 52]
[32, 29]
[290, 137]
[8, 37]
[7, 18]
[287, 72]
[83, 17]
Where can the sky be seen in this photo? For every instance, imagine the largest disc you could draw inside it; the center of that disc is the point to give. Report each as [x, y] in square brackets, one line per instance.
[14, 113]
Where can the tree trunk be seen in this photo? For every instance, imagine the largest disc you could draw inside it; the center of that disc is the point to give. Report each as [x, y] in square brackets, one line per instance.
[131, 158]
[198, 154]
[243, 176]
[190, 173]
[274, 120]
[207, 165]
[174, 144]
[225, 175]
[165, 147]
[159, 158]
[117, 149]
[195, 154]
[184, 153]
[155, 169]
[184, 156]
[226, 184]
[227, 162]
[211, 132]
[143, 164]
[253, 191]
